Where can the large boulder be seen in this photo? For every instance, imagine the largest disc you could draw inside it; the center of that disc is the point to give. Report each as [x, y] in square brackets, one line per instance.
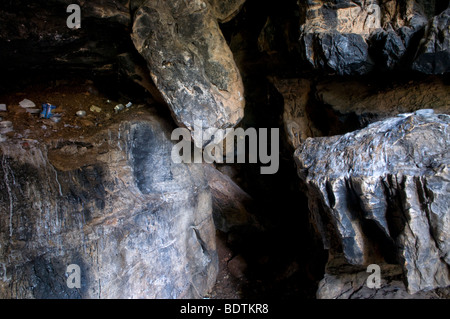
[190, 63]
[355, 37]
[333, 34]
[113, 203]
[381, 195]
[433, 55]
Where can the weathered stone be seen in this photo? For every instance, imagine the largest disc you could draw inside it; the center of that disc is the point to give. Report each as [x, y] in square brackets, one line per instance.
[225, 10]
[297, 123]
[333, 34]
[354, 286]
[363, 102]
[342, 53]
[381, 193]
[230, 202]
[353, 37]
[434, 54]
[138, 225]
[389, 46]
[190, 63]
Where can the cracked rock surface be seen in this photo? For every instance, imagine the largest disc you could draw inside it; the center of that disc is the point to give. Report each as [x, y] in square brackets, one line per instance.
[113, 203]
[190, 63]
[381, 194]
[355, 37]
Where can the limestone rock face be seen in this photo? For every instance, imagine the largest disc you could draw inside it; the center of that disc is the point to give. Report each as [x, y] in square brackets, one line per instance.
[434, 54]
[381, 194]
[363, 103]
[137, 225]
[297, 123]
[190, 63]
[229, 202]
[354, 286]
[354, 37]
[333, 34]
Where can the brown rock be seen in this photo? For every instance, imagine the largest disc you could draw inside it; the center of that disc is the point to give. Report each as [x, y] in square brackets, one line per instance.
[190, 63]
[237, 266]
[297, 123]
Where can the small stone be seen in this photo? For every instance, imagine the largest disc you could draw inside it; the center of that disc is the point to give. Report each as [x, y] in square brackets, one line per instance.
[87, 123]
[95, 108]
[119, 107]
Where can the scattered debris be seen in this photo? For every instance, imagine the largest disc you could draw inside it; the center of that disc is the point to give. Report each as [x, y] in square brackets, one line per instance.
[56, 118]
[4, 124]
[81, 113]
[129, 104]
[34, 111]
[2, 138]
[47, 110]
[3, 107]
[95, 108]
[26, 104]
[5, 127]
[119, 107]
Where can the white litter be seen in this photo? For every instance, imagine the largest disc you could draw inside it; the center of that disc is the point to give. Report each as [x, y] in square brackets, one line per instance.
[25, 103]
[3, 107]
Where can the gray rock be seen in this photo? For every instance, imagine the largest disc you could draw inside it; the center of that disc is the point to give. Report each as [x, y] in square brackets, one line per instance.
[190, 63]
[297, 123]
[364, 103]
[333, 34]
[342, 53]
[353, 37]
[230, 202]
[382, 194]
[137, 225]
[354, 286]
[434, 54]
[389, 46]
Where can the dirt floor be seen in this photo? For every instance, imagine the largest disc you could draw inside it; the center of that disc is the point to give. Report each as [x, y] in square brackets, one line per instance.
[69, 98]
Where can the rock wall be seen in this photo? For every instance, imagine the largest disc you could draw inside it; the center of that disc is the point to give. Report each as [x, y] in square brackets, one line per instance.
[380, 194]
[137, 225]
[333, 74]
[190, 63]
[356, 37]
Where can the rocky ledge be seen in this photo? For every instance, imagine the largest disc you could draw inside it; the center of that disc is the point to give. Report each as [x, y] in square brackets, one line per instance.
[380, 195]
